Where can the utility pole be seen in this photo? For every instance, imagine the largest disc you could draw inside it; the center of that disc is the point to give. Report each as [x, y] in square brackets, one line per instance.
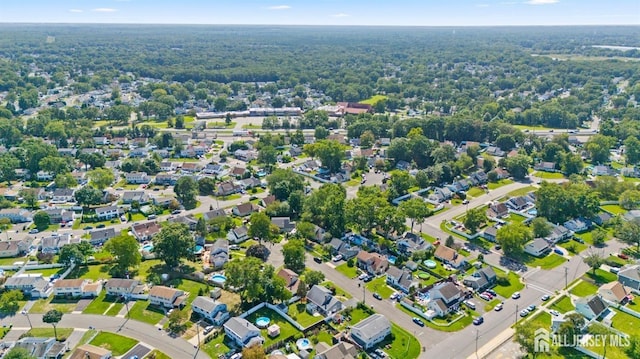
[28, 319]
[566, 284]
[477, 333]
[516, 314]
[364, 294]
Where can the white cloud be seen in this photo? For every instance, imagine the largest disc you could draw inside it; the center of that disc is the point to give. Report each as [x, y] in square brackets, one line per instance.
[279, 7]
[75, 10]
[541, 2]
[340, 14]
[104, 9]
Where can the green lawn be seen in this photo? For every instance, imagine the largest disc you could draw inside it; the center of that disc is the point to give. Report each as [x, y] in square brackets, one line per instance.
[286, 329]
[42, 306]
[542, 319]
[298, 312]
[373, 100]
[349, 272]
[460, 324]
[47, 332]
[601, 276]
[521, 191]
[403, 346]
[94, 272]
[45, 272]
[101, 304]
[502, 182]
[218, 346]
[114, 310]
[611, 351]
[489, 306]
[118, 344]
[549, 261]
[156, 354]
[584, 289]
[514, 284]
[573, 247]
[563, 305]
[475, 192]
[191, 287]
[614, 209]
[10, 261]
[517, 218]
[379, 285]
[143, 312]
[626, 323]
[548, 175]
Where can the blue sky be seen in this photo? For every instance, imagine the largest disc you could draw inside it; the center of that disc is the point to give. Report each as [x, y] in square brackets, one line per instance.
[326, 12]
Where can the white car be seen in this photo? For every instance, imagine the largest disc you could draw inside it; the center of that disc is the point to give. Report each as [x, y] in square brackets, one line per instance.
[515, 295]
[498, 307]
[337, 258]
[554, 313]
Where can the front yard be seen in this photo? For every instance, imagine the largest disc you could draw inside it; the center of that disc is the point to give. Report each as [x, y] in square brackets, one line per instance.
[563, 305]
[502, 182]
[584, 289]
[118, 344]
[146, 313]
[102, 303]
[42, 306]
[547, 262]
[46, 332]
[379, 285]
[507, 290]
[403, 345]
[349, 272]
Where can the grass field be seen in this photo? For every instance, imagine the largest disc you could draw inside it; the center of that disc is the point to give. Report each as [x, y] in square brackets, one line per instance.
[563, 305]
[548, 175]
[118, 344]
[45, 272]
[218, 346]
[349, 272]
[521, 191]
[42, 306]
[298, 312]
[101, 304]
[542, 319]
[156, 354]
[614, 209]
[379, 285]
[514, 284]
[373, 100]
[549, 261]
[626, 323]
[502, 182]
[584, 289]
[601, 276]
[475, 192]
[143, 312]
[63, 333]
[403, 346]
[286, 329]
[94, 272]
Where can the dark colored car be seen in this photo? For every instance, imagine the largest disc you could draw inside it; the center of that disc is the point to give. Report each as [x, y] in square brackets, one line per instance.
[478, 321]
[418, 321]
[317, 259]
[377, 296]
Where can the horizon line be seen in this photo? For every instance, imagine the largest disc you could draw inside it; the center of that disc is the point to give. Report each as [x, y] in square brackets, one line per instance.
[315, 25]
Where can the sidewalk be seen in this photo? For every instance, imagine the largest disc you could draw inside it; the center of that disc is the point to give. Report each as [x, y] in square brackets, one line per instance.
[493, 344]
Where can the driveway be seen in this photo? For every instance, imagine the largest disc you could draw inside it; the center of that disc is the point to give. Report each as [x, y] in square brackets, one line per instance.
[139, 351]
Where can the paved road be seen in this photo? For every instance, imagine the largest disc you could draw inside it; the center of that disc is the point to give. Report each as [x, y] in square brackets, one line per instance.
[145, 333]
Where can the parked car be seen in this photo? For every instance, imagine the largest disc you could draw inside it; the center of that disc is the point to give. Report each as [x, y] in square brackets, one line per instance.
[558, 251]
[418, 321]
[498, 247]
[337, 258]
[88, 228]
[515, 295]
[377, 296]
[485, 297]
[234, 247]
[317, 259]
[478, 321]
[368, 278]
[492, 292]
[545, 297]
[498, 307]
[488, 294]
[614, 270]
[524, 313]
[554, 313]
[470, 304]
[578, 239]
[101, 225]
[531, 308]
[33, 231]
[623, 256]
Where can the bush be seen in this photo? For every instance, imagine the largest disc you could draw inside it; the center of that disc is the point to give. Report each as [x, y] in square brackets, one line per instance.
[351, 262]
[503, 281]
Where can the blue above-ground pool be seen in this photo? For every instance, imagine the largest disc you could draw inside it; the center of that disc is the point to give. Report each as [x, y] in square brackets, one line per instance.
[263, 322]
[218, 278]
[147, 247]
[303, 344]
[430, 263]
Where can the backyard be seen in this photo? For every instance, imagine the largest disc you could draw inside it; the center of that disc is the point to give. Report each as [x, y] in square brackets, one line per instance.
[298, 312]
[614, 209]
[286, 329]
[219, 345]
[94, 272]
[626, 323]
[118, 344]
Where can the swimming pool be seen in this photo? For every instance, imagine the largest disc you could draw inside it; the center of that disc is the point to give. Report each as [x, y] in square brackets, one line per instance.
[430, 264]
[198, 249]
[148, 247]
[263, 322]
[303, 344]
[218, 278]
[532, 212]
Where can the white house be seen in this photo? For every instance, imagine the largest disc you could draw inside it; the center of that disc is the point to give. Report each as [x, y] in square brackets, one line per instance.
[63, 195]
[591, 308]
[210, 309]
[33, 286]
[108, 212]
[321, 300]
[371, 331]
[76, 288]
[445, 298]
[166, 297]
[237, 235]
[537, 247]
[123, 287]
[137, 178]
[242, 332]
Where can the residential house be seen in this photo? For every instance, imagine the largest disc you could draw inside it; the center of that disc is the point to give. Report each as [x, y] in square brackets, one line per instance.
[215, 169]
[67, 152]
[108, 212]
[84, 288]
[33, 286]
[166, 297]
[545, 166]
[537, 247]
[603, 171]
[502, 173]
[59, 215]
[243, 332]
[411, 242]
[216, 213]
[238, 235]
[244, 209]
[13, 248]
[340, 350]
[629, 276]
[400, 278]
[42, 348]
[120, 287]
[100, 236]
[615, 292]
[120, 141]
[321, 300]
[559, 234]
[249, 183]
[370, 331]
[167, 166]
[16, 215]
[517, 203]
[284, 224]
[295, 151]
[210, 309]
[187, 220]
[479, 176]
[238, 172]
[44, 176]
[349, 252]
[482, 279]
[227, 188]
[137, 178]
[602, 218]
[497, 210]
[445, 298]
[53, 243]
[290, 279]
[63, 195]
[145, 231]
[577, 225]
[219, 253]
[129, 197]
[632, 215]
[88, 351]
[245, 155]
[101, 141]
[191, 167]
[166, 179]
[318, 234]
[495, 151]
[372, 263]
[138, 153]
[490, 233]
[450, 256]
[591, 308]
[39, 193]
[633, 172]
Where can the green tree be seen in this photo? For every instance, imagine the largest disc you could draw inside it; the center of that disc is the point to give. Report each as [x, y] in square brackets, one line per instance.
[325, 207]
[630, 199]
[206, 186]
[70, 254]
[450, 241]
[173, 243]
[593, 260]
[201, 227]
[8, 165]
[518, 166]
[599, 236]
[571, 164]
[53, 317]
[41, 220]
[88, 195]
[598, 147]
[186, 190]
[177, 321]
[294, 254]
[330, 153]
[260, 226]
[632, 150]
[125, 249]
[633, 350]
[30, 198]
[541, 227]
[474, 218]
[401, 181]
[367, 139]
[267, 155]
[305, 230]
[629, 233]
[101, 178]
[513, 237]
[525, 337]
[321, 133]
[10, 301]
[313, 277]
[282, 182]
[65, 180]
[415, 209]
